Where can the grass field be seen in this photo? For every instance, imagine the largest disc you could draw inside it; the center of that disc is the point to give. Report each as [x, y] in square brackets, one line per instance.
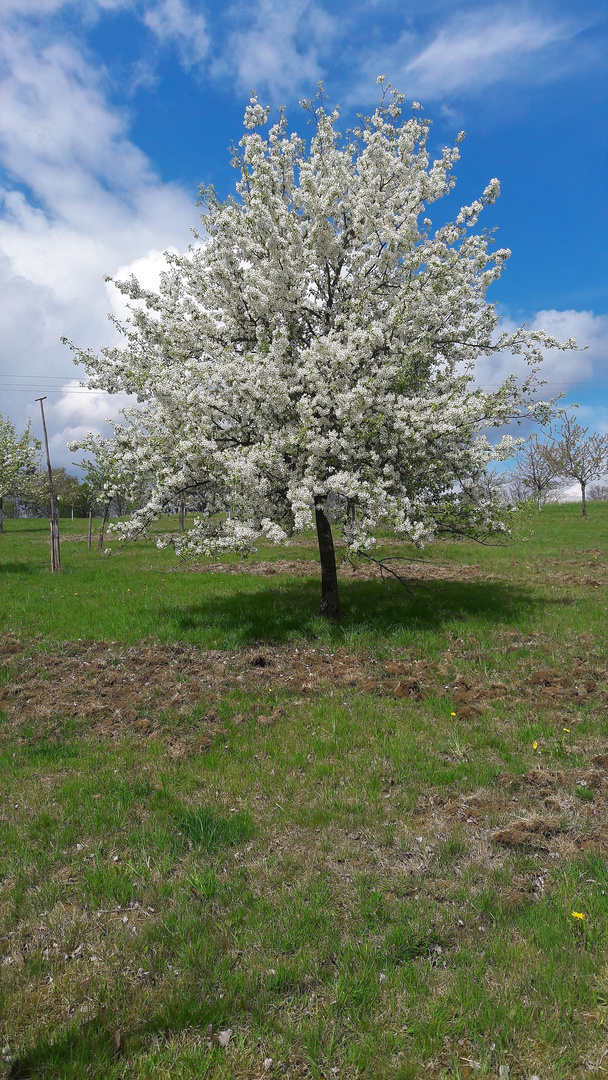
[240, 842]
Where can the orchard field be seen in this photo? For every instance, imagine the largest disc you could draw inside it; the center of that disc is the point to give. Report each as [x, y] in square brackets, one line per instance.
[240, 841]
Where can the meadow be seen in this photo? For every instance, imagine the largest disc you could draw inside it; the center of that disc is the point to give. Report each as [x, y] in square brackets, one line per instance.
[241, 842]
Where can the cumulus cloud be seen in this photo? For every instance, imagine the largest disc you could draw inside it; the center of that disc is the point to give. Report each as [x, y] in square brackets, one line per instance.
[81, 201]
[146, 268]
[563, 372]
[75, 412]
[568, 370]
[277, 47]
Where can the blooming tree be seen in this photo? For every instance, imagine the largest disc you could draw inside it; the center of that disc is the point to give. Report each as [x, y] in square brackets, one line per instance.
[310, 360]
[18, 460]
[106, 481]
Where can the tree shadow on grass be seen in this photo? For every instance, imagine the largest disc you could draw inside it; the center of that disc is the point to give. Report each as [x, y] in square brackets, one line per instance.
[102, 1047]
[16, 568]
[289, 610]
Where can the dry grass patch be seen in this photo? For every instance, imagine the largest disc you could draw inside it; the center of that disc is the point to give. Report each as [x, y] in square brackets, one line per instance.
[103, 680]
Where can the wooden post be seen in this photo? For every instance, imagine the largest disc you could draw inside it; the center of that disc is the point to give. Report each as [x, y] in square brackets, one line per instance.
[104, 521]
[90, 536]
[55, 560]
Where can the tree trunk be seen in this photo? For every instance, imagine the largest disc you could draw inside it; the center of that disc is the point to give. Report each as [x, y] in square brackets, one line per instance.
[182, 510]
[55, 559]
[106, 511]
[1, 515]
[584, 495]
[329, 607]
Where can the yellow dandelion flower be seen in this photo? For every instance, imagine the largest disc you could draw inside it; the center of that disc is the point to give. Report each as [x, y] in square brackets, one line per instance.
[566, 729]
[578, 915]
[534, 745]
[452, 714]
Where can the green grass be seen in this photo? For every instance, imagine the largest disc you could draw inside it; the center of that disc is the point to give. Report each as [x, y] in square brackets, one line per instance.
[134, 594]
[327, 880]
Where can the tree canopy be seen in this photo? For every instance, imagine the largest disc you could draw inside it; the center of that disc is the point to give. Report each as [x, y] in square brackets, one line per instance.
[19, 456]
[309, 360]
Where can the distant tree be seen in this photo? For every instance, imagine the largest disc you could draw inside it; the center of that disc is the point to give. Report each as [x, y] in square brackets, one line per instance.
[36, 502]
[599, 492]
[70, 494]
[106, 481]
[18, 461]
[491, 484]
[574, 456]
[535, 472]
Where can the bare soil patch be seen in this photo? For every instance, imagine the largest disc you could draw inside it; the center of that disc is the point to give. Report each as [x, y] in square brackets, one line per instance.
[99, 680]
[411, 570]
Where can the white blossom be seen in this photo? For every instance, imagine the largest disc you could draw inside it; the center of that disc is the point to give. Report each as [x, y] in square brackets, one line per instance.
[315, 353]
[19, 456]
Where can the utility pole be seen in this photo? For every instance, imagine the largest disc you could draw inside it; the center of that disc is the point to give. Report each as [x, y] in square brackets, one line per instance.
[54, 523]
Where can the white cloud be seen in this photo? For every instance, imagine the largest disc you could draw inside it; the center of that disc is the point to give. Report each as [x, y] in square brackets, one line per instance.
[90, 8]
[591, 332]
[477, 51]
[146, 268]
[77, 411]
[82, 201]
[281, 48]
[470, 52]
[173, 21]
[562, 371]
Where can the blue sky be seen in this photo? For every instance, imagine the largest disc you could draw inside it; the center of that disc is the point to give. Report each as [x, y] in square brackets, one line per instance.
[112, 112]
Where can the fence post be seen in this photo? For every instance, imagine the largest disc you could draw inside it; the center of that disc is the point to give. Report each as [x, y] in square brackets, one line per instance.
[55, 560]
